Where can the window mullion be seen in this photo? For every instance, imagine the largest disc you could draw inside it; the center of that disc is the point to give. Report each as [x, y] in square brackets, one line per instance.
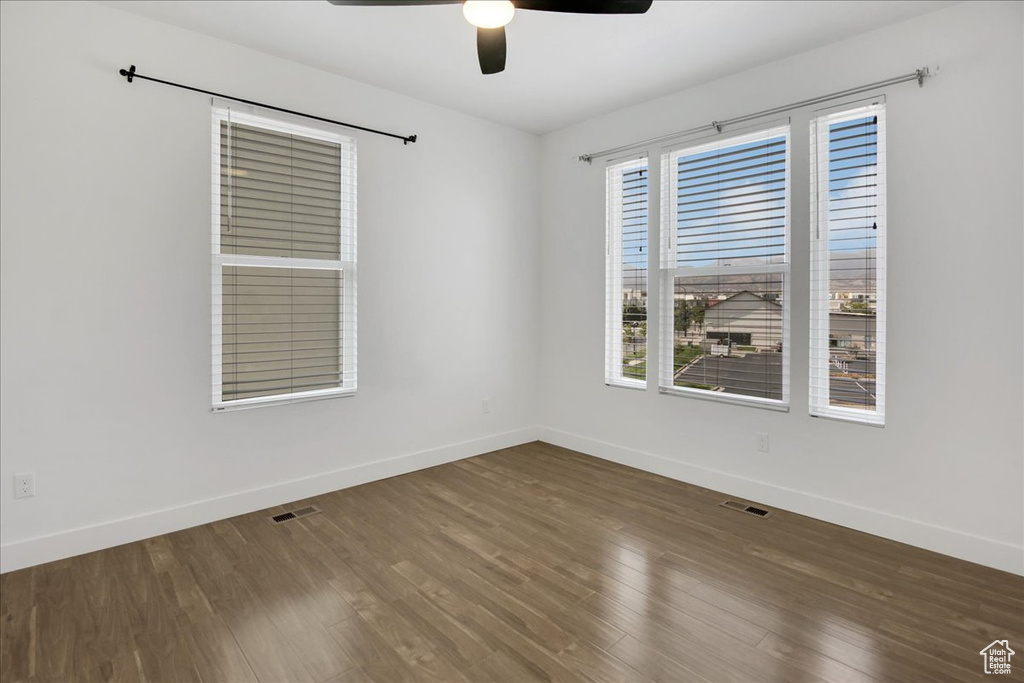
[280, 262]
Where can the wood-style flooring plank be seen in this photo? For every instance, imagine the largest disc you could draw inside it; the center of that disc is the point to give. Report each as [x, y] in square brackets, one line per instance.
[532, 563]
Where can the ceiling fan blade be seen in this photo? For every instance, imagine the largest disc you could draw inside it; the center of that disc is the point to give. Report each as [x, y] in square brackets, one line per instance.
[490, 48]
[586, 7]
[384, 3]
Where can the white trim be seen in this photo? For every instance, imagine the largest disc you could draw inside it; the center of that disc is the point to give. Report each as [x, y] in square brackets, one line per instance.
[278, 399]
[979, 549]
[613, 273]
[759, 133]
[819, 402]
[848, 414]
[217, 330]
[32, 551]
[857, 418]
[670, 269]
[635, 384]
[280, 122]
[653, 263]
[280, 262]
[720, 397]
[345, 266]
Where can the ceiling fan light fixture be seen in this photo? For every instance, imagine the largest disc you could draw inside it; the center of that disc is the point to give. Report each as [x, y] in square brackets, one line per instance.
[488, 13]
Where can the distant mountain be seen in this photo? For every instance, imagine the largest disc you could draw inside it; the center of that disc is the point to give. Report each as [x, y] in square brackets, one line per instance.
[850, 270]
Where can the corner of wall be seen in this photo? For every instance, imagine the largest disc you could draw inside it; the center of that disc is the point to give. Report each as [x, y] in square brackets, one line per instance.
[33, 551]
[977, 549]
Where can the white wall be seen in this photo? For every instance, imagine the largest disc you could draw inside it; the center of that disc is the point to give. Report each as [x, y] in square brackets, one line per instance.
[471, 281]
[105, 350]
[946, 472]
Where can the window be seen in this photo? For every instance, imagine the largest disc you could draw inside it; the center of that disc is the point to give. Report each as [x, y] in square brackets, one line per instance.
[847, 343]
[724, 265]
[626, 274]
[284, 262]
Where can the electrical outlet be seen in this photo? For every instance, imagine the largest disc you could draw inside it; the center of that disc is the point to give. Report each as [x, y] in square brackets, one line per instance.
[25, 485]
[485, 406]
[762, 442]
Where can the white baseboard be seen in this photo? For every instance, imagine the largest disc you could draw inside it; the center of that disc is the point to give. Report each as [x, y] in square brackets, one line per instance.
[986, 551]
[33, 551]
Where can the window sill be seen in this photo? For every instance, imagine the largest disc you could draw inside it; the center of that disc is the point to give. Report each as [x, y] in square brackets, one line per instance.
[267, 401]
[850, 417]
[635, 385]
[732, 399]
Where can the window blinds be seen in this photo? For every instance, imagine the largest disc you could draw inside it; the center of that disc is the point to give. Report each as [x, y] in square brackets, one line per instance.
[284, 257]
[848, 281]
[724, 263]
[626, 274]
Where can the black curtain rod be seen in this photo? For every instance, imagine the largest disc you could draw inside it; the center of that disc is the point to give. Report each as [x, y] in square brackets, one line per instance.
[130, 74]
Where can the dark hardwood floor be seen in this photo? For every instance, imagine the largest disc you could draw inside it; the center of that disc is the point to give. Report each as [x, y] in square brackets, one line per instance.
[531, 563]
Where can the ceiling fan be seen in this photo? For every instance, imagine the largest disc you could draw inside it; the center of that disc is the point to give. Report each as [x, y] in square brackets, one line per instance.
[491, 16]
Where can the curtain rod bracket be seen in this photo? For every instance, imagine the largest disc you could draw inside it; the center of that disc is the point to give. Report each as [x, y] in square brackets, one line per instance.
[131, 75]
[717, 125]
[922, 74]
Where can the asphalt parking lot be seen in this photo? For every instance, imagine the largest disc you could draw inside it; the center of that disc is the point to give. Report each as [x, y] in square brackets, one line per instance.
[756, 374]
[849, 384]
[760, 375]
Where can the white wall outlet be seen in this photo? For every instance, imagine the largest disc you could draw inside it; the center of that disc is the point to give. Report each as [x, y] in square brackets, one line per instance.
[762, 442]
[485, 406]
[25, 485]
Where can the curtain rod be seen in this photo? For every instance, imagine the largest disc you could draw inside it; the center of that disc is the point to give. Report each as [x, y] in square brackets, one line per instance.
[918, 75]
[130, 74]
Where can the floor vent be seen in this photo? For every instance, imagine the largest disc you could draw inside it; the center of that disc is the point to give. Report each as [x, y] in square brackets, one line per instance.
[295, 514]
[749, 509]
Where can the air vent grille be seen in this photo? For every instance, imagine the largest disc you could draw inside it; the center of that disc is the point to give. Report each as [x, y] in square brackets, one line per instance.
[748, 509]
[294, 514]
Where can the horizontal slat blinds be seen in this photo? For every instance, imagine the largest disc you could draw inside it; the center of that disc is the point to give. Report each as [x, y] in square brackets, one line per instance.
[728, 334]
[280, 194]
[283, 261]
[282, 329]
[847, 337]
[725, 259]
[626, 273]
[728, 203]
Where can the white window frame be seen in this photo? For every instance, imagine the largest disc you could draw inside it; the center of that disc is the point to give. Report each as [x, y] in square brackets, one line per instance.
[669, 269]
[818, 397]
[346, 265]
[613, 273]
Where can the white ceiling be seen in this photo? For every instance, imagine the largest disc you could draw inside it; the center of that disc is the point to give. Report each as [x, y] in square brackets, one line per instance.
[562, 68]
